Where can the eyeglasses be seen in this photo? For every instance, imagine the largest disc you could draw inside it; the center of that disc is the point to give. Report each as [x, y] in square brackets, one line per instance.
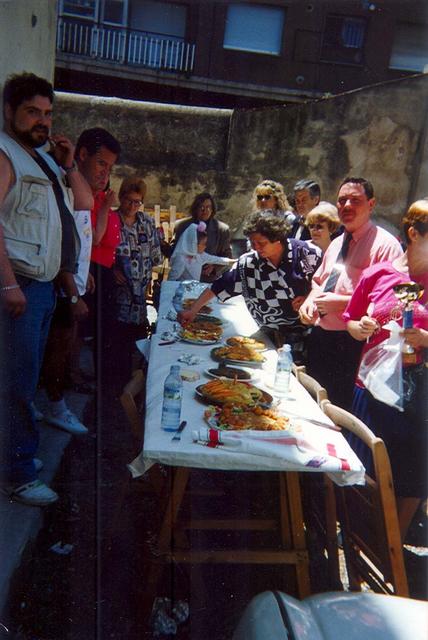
[259, 197]
[136, 203]
[317, 227]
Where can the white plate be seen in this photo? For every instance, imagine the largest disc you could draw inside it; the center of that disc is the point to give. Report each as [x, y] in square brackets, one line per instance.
[199, 342]
[253, 375]
[237, 363]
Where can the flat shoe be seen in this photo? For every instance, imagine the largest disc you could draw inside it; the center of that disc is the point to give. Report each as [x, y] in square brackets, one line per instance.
[67, 421]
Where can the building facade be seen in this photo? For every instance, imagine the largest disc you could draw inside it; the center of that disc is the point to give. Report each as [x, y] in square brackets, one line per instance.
[237, 53]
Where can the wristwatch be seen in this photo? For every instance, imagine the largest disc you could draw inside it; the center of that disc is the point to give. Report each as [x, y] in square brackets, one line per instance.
[74, 299]
[73, 167]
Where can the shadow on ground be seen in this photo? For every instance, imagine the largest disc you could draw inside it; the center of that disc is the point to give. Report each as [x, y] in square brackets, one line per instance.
[94, 592]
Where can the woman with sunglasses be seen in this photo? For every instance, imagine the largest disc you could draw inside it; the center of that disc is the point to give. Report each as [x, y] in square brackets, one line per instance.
[323, 222]
[137, 253]
[203, 209]
[269, 199]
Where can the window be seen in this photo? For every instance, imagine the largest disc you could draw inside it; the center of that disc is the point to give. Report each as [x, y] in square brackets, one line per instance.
[254, 28]
[343, 39]
[114, 11]
[159, 18]
[80, 8]
[410, 48]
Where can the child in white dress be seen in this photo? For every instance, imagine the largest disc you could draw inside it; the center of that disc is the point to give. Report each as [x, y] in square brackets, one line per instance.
[189, 255]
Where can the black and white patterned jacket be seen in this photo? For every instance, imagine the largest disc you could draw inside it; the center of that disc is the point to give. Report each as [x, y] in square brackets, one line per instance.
[268, 290]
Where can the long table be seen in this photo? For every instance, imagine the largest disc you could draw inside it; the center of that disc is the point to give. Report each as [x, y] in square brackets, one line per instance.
[333, 452]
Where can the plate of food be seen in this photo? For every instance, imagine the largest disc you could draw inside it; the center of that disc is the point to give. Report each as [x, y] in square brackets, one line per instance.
[204, 317]
[201, 332]
[231, 373]
[221, 391]
[187, 303]
[237, 417]
[238, 355]
[244, 341]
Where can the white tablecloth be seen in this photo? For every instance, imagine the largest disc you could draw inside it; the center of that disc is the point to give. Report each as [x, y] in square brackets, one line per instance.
[331, 446]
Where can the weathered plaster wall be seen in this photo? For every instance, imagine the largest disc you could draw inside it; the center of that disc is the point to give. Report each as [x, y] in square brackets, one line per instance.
[180, 151]
[379, 132]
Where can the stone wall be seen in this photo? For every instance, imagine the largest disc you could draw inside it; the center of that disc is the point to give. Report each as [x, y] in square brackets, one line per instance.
[180, 151]
[378, 132]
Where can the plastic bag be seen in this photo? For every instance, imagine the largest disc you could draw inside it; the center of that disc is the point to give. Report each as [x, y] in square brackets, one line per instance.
[381, 369]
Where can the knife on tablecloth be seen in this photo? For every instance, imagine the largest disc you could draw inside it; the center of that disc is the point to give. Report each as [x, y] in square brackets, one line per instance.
[177, 435]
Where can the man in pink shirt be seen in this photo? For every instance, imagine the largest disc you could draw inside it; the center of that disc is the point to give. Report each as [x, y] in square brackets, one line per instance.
[333, 355]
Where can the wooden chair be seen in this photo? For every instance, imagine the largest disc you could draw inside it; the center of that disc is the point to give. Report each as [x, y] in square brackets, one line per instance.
[134, 388]
[297, 368]
[311, 385]
[368, 517]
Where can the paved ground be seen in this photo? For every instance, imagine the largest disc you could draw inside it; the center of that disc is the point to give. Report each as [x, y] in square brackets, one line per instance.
[93, 593]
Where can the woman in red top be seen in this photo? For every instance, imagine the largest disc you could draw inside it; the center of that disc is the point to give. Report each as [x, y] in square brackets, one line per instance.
[372, 305]
[105, 229]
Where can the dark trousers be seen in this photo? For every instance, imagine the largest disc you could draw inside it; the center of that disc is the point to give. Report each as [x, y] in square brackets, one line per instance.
[121, 353]
[102, 312]
[333, 360]
[57, 359]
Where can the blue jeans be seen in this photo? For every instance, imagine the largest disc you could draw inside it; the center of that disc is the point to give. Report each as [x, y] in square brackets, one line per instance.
[23, 342]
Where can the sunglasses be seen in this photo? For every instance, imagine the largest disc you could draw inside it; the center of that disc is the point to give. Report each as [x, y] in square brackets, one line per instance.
[265, 197]
[136, 203]
[317, 227]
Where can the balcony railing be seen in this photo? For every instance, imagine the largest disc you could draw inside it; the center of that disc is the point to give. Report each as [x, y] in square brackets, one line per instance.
[124, 46]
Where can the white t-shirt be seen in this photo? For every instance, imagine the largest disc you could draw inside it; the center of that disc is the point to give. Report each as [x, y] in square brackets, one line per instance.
[185, 267]
[84, 229]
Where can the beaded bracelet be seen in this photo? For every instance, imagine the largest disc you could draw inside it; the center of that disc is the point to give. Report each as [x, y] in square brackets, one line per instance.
[9, 287]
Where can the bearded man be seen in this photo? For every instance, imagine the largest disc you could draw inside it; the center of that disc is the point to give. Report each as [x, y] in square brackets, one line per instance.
[38, 243]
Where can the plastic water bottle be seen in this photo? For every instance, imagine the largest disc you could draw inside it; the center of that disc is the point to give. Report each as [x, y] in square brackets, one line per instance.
[172, 396]
[177, 301]
[283, 370]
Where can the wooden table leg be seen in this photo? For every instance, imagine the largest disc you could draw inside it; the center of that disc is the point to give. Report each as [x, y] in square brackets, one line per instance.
[331, 535]
[165, 540]
[298, 534]
[284, 512]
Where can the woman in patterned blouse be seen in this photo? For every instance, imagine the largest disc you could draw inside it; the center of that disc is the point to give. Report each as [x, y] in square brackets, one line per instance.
[274, 278]
[138, 251]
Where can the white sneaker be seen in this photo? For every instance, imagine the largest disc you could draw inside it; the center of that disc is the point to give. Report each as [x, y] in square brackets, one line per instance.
[38, 464]
[35, 494]
[67, 421]
[38, 415]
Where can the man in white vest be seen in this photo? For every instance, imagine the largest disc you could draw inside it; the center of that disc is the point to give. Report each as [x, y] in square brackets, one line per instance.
[38, 244]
